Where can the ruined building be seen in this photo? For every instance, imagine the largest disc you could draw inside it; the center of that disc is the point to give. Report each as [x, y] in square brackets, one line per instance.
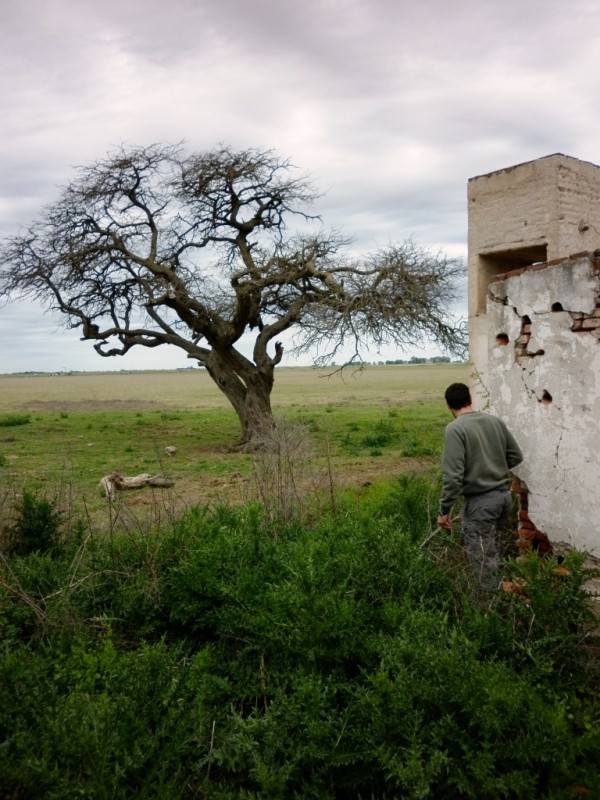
[534, 315]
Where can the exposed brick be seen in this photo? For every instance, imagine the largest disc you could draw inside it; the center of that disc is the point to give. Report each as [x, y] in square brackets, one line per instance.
[577, 256]
[524, 500]
[524, 545]
[590, 324]
[526, 534]
[561, 572]
[527, 526]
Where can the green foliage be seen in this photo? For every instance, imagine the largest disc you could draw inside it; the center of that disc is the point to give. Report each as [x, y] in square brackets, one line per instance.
[37, 524]
[228, 656]
[410, 501]
[415, 431]
[14, 420]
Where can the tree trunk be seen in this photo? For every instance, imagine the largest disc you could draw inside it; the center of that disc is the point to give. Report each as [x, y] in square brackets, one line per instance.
[248, 389]
[256, 418]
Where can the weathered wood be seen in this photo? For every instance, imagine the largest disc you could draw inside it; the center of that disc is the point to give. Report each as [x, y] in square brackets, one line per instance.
[117, 482]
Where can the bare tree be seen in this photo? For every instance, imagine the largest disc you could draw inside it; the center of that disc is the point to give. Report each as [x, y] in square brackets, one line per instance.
[154, 246]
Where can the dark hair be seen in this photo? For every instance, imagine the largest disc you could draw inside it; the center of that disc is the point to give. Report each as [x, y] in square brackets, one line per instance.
[458, 396]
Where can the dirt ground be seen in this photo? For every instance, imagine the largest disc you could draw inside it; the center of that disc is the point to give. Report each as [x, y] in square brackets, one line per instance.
[357, 474]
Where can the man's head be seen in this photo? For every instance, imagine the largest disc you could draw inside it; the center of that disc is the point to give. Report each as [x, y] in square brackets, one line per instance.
[458, 396]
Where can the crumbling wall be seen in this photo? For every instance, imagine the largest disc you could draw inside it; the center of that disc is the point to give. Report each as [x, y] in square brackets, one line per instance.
[521, 216]
[543, 379]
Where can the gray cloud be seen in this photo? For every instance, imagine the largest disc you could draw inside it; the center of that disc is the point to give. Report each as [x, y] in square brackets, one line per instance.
[391, 105]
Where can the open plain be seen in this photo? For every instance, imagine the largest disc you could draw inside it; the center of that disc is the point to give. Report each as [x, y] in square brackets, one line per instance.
[61, 434]
[193, 389]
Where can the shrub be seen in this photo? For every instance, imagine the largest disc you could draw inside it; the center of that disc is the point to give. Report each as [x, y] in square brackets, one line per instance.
[13, 420]
[37, 524]
[233, 655]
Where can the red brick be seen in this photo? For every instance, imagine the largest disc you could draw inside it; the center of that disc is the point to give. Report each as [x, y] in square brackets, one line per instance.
[544, 548]
[526, 534]
[590, 324]
[524, 545]
[527, 526]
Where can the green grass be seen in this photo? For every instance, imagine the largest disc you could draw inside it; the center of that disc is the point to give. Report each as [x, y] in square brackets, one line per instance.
[193, 389]
[76, 450]
[13, 420]
[393, 414]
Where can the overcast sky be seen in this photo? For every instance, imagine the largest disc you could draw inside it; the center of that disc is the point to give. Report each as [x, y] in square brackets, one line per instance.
[390, 105]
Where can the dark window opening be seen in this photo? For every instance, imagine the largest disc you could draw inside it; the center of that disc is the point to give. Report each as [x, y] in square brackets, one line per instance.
[493, 265]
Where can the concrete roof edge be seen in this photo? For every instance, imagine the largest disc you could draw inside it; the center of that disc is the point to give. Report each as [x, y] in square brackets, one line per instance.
[532, 161]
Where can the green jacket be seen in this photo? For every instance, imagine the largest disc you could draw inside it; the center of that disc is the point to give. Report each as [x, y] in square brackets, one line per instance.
[479, 450]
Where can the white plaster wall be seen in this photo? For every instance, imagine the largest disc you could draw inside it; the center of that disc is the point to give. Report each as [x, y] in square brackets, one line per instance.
[478, 355]
[561, 439]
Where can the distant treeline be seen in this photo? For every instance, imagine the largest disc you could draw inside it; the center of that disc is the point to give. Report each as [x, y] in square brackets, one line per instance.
[418, 360]
[38, 373]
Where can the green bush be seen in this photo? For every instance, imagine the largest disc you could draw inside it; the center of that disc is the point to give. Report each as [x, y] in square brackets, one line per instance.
[14, 420]
[37, 524]
[231, 657]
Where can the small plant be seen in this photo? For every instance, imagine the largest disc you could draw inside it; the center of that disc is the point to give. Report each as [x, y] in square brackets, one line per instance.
[37, 524]
[169, 416]
[13, 420]
[383, 434]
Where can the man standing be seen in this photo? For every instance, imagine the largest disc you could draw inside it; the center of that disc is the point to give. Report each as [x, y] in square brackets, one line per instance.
[479, 450]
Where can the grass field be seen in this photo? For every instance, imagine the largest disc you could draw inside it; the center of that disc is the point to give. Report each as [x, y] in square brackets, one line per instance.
[63, 433]
[193, 389]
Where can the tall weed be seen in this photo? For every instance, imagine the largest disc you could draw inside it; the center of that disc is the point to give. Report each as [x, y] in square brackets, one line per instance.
[285, 478]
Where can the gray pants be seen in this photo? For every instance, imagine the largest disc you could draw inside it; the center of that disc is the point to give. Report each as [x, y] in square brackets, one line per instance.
[484, 518]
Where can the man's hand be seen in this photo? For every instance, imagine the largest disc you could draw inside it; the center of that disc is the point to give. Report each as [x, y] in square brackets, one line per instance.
[445, 522]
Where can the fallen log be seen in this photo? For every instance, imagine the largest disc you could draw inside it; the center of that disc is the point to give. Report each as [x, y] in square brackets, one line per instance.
[117, 482]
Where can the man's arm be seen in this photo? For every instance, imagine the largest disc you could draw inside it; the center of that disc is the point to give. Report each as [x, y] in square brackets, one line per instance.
[514, 455]
[453, 469]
